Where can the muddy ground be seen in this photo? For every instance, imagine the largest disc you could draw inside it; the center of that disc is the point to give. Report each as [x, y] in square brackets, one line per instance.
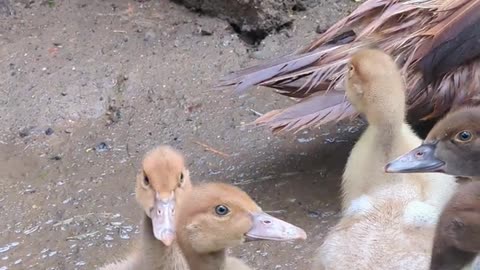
[88, 86]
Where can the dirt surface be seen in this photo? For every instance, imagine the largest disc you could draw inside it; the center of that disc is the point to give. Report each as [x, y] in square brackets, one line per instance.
[87, 87]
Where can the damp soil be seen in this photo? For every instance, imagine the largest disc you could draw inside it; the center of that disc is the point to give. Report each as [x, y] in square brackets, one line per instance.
[87, 87]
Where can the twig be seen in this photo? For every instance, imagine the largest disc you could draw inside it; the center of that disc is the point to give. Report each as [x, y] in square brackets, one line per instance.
[211, 149]
[255, 112]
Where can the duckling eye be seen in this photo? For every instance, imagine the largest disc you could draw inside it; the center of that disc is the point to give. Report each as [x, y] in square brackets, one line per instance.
[180, 183]
[350, 69]
[146, 181]
[464, 136]
[221, 210]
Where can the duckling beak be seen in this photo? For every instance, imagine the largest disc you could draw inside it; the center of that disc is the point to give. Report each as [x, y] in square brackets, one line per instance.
[266, 227]
[163, 216]
[420, 159]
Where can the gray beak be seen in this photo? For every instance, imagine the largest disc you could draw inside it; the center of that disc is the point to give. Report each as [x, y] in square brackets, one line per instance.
[420, 159]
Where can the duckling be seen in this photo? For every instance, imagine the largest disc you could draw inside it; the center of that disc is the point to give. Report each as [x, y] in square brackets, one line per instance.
[218, 216]
[161, 185]
[452, 147]
[376, 89]
[388, 220]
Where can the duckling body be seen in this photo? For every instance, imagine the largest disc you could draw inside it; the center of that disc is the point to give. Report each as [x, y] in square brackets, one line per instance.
[160, 186]
[376, 88]
[216, 217]
[388, 220]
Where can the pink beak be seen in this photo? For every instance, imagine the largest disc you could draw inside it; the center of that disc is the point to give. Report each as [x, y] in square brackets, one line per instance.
[266, 227]
[163, 216]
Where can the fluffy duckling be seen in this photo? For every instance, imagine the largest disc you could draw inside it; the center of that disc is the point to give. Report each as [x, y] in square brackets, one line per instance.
[452, 147]
[388, 220]
[219, 216]
[160, 186]
[376, 89]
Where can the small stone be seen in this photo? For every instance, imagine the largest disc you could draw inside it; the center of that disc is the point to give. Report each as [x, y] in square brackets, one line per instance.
[108, 238]
[299, 6]
[204, 32]
[149, 36]
[24, 132]
[56, 158]
[49, 131]
[320, 29]
[313, 214]
[102, 147]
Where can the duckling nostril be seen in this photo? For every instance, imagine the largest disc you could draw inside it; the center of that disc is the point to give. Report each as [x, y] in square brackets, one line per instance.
[266, 221]
[419, 154]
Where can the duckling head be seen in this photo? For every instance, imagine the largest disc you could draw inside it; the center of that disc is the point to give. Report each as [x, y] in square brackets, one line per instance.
[160, 186]
[452, 147]
[375, 86]
[218, 216]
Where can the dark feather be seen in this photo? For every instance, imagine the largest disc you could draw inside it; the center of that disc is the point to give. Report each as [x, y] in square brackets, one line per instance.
[449, 55]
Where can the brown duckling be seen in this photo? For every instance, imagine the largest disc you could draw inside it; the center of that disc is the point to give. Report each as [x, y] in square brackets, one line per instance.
[160, 186]
[452, 147]
[218, 216]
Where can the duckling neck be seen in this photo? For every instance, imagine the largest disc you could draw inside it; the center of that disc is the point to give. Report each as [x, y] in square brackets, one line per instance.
[387, 138]
[390, 116]
[207, 261]
[152, 250]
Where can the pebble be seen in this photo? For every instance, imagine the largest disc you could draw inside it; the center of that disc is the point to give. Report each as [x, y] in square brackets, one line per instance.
[102, 147]
[149, 36]
[313, 214]
[24, 132]
[49, 131]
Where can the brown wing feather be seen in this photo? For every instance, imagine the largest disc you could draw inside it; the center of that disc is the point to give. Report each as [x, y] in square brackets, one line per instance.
[413, 31]
[317, 109]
